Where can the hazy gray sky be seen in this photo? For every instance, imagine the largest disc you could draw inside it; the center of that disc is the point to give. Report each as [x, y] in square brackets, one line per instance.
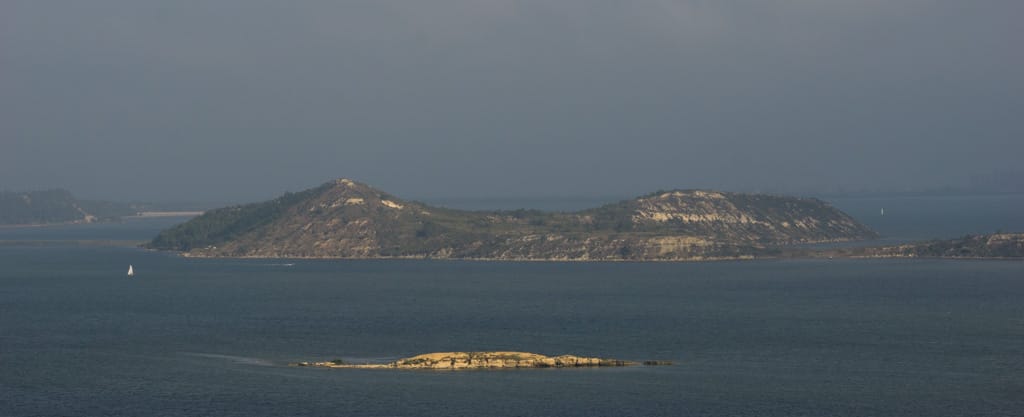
[243, 99]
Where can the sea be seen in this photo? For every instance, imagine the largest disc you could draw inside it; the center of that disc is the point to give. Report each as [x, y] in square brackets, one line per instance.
[215, 337]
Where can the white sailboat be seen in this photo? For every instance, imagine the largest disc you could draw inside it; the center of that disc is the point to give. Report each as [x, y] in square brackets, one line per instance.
[131, 272]
[883, 211]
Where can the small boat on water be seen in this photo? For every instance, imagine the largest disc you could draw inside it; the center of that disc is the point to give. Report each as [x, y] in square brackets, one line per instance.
[131, 272]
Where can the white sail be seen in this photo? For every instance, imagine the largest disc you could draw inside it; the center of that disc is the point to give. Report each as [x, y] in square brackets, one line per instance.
[130, 271]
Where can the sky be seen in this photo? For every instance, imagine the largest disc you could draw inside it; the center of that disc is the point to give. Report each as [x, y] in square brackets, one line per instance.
[241, 100]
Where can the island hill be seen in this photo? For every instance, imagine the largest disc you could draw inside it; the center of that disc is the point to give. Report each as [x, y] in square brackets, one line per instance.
[347, 219]
[56, 206]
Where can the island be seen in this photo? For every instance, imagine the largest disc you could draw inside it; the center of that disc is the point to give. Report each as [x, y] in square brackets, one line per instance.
[484, 360]
[989, 246]
[351, 220]
[56, 206]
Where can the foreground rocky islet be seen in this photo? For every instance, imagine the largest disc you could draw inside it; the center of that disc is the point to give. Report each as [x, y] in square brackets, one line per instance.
[485, 360]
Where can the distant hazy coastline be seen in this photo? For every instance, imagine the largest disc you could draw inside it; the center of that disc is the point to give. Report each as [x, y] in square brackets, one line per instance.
[167, 214]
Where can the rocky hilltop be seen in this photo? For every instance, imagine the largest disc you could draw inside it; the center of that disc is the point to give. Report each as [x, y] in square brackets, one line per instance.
[481, 360]
[347, 219]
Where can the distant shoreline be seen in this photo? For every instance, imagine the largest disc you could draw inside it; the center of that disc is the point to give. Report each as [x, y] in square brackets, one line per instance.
[127, 243]
[781, 257]
[32, 225]
[434, 258]
[1004, 246]
[140, 215]
[144, 214]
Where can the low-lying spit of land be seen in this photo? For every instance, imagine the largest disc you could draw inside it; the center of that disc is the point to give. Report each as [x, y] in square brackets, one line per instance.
[485, 360]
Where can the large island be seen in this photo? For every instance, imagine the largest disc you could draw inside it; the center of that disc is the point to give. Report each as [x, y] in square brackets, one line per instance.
[347, 219]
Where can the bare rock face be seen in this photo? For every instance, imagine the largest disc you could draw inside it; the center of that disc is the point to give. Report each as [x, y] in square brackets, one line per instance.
[481, 360]
[346, 219]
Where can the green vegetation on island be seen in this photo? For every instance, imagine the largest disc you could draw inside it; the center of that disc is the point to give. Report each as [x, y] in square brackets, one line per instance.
[226, 224]
[346, 219]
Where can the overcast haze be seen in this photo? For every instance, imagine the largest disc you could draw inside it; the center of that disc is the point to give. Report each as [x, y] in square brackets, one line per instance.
[239, 100]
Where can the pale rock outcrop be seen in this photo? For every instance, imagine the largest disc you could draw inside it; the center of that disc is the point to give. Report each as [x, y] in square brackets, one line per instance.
[481, 360]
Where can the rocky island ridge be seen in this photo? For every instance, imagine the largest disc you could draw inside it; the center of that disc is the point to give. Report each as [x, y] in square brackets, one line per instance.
[347, 219]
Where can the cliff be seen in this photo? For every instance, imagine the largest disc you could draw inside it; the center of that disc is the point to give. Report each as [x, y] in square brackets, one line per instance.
[346, 219]
[481, 360]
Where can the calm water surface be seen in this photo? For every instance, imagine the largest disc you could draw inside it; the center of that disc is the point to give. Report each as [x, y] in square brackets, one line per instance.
[765, 338]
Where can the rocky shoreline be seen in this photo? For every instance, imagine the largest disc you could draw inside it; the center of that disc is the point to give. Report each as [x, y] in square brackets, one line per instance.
[485, 360]
[996, 246]
[424, 258]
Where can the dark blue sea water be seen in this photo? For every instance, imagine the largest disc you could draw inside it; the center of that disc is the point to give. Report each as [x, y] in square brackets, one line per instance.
[912, 218]
[765, 338]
